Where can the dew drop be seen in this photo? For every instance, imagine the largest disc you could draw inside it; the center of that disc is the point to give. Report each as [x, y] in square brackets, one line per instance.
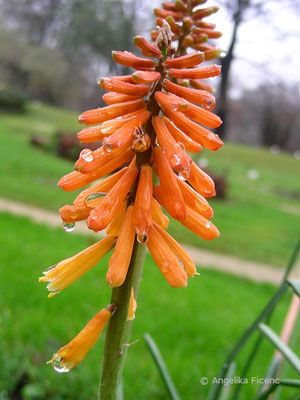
[184, 174]
[58, 364]
[93, 196]
[181, 146]
[209, 104]
[107, 147]
[86, 155]
[141, 141]
[68, 226]
[142, 238]
[208, 225]
[223, 54]
[175, 159]
[212, 78]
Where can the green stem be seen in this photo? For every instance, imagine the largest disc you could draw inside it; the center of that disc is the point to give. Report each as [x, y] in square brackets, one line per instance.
[118, 330]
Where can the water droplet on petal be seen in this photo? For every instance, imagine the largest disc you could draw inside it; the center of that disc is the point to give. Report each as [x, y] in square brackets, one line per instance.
[175, 160]
[107, 147]
[208, 225]
[141, 140]
[91, 197]
[181, 146]
[212, 78]
[184, 174]
[209, 103]
[86, 155]
[142, 238]
[58, 364]
[223, 54]
[68, 226]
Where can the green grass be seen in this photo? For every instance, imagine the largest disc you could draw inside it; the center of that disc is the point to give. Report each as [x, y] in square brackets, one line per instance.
[258, 220]
[194, 327]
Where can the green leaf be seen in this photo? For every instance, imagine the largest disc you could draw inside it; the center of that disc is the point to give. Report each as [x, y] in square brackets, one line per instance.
[152, 346]
[295, 285]
[281, 346]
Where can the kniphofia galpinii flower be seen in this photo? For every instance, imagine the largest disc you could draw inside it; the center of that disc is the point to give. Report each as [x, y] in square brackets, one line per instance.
[150, 125]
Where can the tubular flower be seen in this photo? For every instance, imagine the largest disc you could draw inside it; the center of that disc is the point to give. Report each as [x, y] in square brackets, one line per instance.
[145, 132]
[74, 352]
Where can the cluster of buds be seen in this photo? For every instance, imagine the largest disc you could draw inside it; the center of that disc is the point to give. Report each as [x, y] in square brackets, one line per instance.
[150, 125]
[186, 20]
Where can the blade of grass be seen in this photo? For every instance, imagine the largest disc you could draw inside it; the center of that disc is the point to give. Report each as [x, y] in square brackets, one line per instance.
[284, 382]
[295, 285]
[289, 355]
[226, 389]
[155, 353]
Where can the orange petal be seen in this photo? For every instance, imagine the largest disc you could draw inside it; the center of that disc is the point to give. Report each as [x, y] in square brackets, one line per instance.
[75, 180]
[123, 137]
[201, 182]
[187, 61]
[209, 32]
[74, 352]
[196, 73]
[158, 216]
[146, 76]
[199, 40]
[123, 87]
[168, 181]
[212, 54]
[165, 13]
[132, 307]
[102, 215]
[68, 271]
[147, 47]
[166, 260]
[198, 84]
[120, 259]
[130, 60]
[204, 12]
[168, 5]
[201, 97]
[179, 136]
[116, 224]
[203, 24]
[70, 214]
[188, 263]
[142, 217]
[100, 187]
[200, 225]
[114, 98]
[174, 151]
[98, 115]
[194, 200]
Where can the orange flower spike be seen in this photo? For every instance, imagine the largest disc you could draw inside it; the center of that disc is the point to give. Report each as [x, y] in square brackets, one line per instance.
[146, 76]
[175, 153]
[123, 137]
[187, 61]
[168, 181]
[99, 115]
[188, 263]
[196, 73]
[142, 217]
[199, 225]
[165, 13]
[209, 32]
[70, 214]
[130, 60]
[148, 49]
[194, 200]
[204, 12]
[119, 261]
[158, 216]
[101, 216]
[201, 97]
[179, 136]
[201, 182]
[123, 87]
[166, 260]
[100, 187]
[74, 352]
[198, 84]
[116, 224]
[114, 98]
[132, 307]
[68, 271]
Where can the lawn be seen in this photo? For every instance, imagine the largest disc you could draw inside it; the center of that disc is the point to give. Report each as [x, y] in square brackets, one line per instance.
[259, 220]
[194, 327]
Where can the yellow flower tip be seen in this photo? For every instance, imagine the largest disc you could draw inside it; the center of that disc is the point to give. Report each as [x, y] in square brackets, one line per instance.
[52, 294]
[42, 279]
[59, 364]
[101, 82]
